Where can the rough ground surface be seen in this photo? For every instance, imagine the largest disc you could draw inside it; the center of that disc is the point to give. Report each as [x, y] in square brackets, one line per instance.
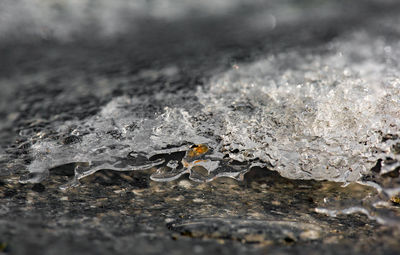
[48, 80]
[124, 213]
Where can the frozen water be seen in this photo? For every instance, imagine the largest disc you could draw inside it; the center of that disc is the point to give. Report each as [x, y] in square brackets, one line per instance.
[312, 116]
[326, 114]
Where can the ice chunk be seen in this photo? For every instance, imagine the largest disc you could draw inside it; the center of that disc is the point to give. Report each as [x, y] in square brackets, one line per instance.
[309, 114]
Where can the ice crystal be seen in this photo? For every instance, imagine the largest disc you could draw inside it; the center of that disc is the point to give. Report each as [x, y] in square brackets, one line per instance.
[311, 116]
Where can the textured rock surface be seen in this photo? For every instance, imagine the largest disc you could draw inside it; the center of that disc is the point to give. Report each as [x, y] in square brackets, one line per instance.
[125, 212]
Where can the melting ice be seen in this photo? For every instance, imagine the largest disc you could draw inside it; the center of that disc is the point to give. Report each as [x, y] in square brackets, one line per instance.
[325, 114]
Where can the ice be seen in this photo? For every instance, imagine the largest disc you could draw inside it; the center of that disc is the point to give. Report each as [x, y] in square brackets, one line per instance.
[309, 114]
[312, 116]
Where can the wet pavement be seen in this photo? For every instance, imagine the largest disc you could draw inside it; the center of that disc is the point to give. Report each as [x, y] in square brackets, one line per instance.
[125, 213]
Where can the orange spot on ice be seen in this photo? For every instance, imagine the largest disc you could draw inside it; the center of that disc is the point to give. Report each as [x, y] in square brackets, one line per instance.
[198, 150]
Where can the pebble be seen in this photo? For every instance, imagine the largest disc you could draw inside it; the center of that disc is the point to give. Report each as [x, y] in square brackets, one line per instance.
[185, 184]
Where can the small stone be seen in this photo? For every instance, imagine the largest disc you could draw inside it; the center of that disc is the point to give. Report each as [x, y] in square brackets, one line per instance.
[309, 235]
[178, 198]
[185, 184]
[277, 203]
[168, 220]
[38, 187]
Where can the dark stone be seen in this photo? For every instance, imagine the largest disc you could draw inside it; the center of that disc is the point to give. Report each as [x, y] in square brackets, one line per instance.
[38, 187]
[9, 193]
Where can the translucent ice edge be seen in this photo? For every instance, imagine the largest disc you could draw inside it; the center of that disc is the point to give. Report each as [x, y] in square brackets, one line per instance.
[381, 206]
[362, 210]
